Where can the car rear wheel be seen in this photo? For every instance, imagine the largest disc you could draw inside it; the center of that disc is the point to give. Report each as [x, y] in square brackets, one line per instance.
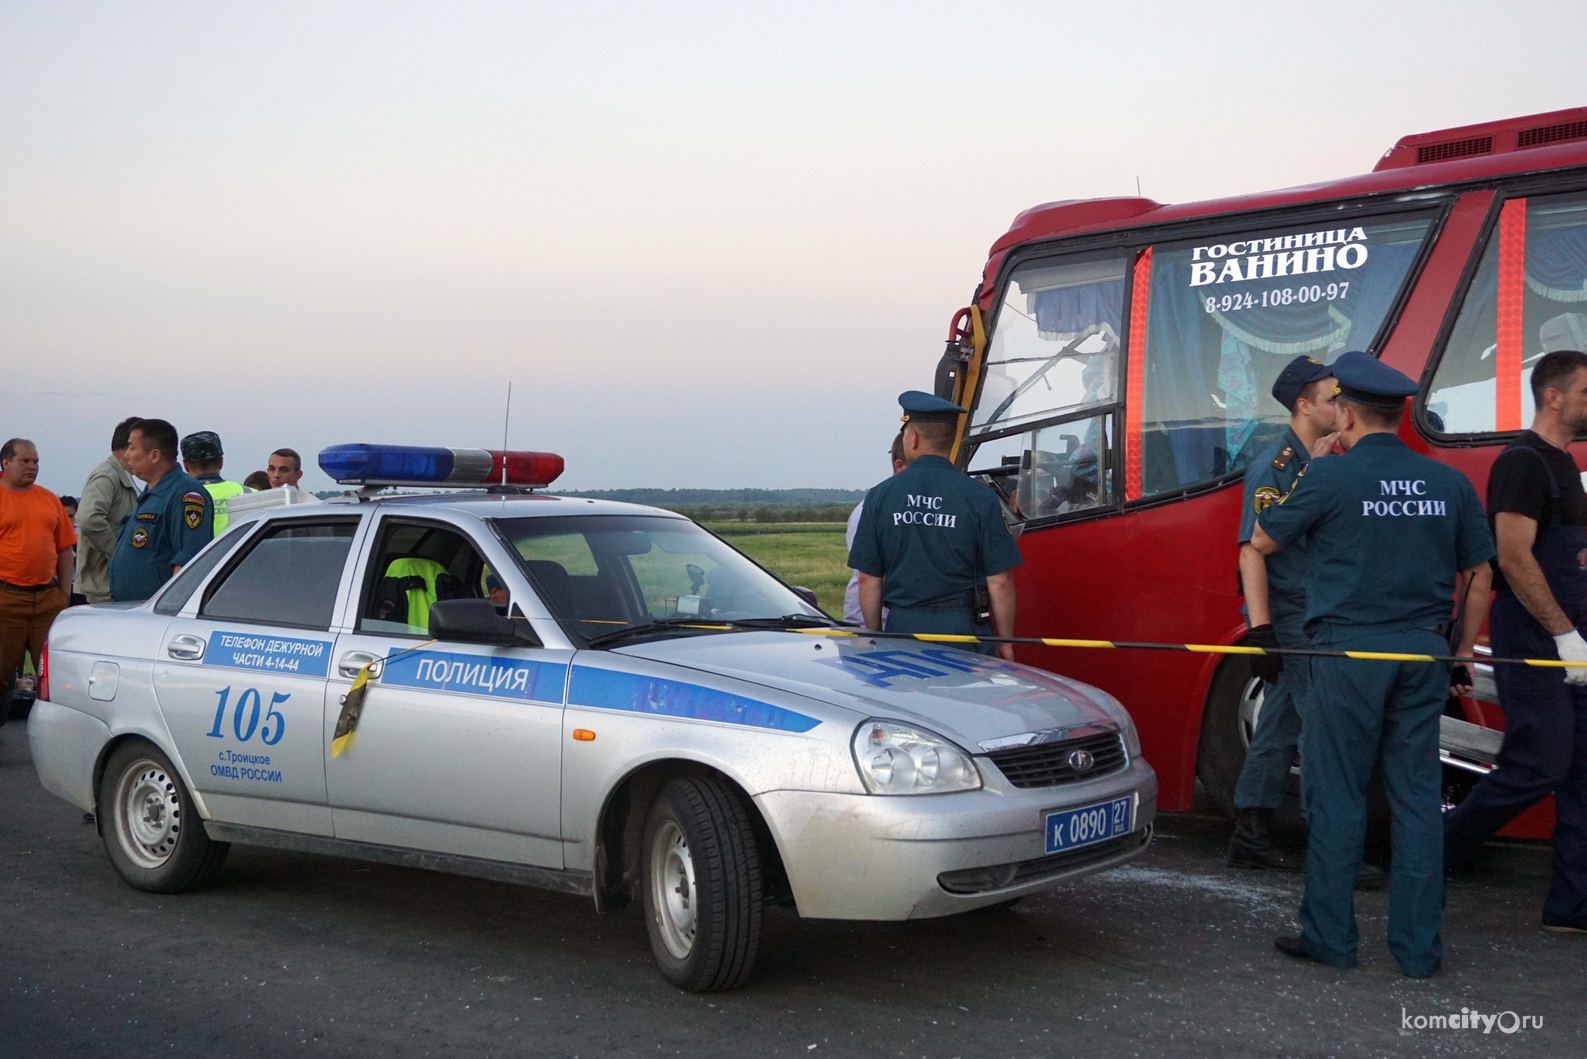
[702, 885]
[152, 832]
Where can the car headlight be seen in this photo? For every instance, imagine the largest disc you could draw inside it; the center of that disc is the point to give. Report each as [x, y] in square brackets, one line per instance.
[896, 758]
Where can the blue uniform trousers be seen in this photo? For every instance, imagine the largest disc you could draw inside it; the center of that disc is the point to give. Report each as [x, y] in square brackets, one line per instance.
[1544, 752]
[1265, 775]
[956, 620]
[1360, 712]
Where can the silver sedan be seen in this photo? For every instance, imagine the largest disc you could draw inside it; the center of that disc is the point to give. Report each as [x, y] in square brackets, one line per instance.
[593, 697]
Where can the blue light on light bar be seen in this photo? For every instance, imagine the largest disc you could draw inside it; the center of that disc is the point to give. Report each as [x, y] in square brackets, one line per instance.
[387, 463]
[420, 465]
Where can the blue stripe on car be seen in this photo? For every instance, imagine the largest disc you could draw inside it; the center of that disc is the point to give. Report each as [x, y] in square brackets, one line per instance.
[606, 689]
[500, 677]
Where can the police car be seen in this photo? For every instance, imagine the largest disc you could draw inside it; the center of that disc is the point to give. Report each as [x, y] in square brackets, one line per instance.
[598, 698]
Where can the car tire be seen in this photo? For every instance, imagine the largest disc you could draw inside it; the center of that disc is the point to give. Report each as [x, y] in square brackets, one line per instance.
[151, 829]
[702, 885]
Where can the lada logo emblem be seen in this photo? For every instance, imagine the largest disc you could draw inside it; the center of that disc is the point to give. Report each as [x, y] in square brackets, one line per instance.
[1081, 760]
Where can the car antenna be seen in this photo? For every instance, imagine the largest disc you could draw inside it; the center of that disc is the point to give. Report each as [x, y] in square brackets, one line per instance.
[506, 419]
[1137, 187]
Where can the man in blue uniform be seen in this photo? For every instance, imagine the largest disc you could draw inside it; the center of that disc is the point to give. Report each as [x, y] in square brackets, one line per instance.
[1388, 534]
[171, 523]
[929, 537]
[1275, 599]
[1539, 512]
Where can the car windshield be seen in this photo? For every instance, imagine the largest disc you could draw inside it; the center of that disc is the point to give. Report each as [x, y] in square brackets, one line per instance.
[604, 574]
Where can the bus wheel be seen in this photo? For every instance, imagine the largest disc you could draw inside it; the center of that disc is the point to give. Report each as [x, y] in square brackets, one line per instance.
[1234, 703]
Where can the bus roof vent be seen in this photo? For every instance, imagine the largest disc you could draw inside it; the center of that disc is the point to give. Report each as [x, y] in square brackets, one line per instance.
[1492, 137]
[1543, 135]
[1442, 152]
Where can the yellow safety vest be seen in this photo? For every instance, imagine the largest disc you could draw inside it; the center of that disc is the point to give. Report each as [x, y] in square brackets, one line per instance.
[220, 492]
[419, 599]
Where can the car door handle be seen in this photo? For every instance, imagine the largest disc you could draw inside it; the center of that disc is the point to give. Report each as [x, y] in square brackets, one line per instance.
[353, 661]
[188, 648]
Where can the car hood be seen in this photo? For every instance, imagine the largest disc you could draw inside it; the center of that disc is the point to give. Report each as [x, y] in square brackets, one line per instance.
[970, 698]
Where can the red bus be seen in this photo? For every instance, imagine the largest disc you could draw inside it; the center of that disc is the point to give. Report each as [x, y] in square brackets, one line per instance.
[1117, 360]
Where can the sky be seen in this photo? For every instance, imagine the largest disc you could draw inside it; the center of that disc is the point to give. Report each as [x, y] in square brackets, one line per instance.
[707, 243]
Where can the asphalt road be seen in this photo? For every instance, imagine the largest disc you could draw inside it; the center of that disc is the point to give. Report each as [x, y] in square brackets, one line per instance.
[299, 955]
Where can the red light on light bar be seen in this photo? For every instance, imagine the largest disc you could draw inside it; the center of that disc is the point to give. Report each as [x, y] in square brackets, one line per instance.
[524, 468]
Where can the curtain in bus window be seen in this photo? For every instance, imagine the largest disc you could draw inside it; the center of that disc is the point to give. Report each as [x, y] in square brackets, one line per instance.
[1226, 314]
[1536, 259]
[1055, 343]
[1070, 310]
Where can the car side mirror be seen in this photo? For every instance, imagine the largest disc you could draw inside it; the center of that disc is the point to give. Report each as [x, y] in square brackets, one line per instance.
[806, 594]
[477, 621]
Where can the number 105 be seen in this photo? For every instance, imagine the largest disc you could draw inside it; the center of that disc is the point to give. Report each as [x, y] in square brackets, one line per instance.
[248, 707]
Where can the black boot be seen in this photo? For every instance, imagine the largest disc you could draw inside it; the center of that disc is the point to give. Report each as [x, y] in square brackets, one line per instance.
[1252, 845]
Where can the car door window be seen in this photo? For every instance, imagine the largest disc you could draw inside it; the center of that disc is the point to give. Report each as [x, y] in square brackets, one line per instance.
[289, 576]
[415, 566]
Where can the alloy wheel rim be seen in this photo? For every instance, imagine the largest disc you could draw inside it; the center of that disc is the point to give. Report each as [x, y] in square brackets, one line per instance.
[672, 889]
[1250, 708]
[149, 817]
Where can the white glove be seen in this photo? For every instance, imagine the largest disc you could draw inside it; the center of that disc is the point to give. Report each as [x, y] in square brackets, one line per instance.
[1572, 648]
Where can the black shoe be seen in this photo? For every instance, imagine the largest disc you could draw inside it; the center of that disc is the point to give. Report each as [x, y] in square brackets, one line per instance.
[1294, 946]
[1371, 877]
[1429, 974]
[1252, 845]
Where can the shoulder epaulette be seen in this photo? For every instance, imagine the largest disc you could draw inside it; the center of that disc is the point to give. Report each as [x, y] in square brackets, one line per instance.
[1282, 459]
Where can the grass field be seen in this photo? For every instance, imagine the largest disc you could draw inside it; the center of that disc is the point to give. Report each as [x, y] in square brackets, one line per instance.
[811, 554]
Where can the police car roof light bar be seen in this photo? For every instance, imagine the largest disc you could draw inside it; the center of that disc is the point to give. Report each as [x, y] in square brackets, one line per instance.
[437, 467]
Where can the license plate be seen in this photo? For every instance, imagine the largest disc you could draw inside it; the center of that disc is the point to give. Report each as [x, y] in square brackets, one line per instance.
[1072, 828]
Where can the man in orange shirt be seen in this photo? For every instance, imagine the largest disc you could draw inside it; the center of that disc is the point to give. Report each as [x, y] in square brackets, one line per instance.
[36, 562]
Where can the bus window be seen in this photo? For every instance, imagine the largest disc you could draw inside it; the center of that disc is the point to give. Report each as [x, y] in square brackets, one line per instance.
[1528, 298]
[1227, 312]
[1055, 348]
[1053, 470]
[1064, 468]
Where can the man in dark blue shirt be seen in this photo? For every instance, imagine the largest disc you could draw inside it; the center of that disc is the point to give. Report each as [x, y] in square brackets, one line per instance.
[1275, 596]
[1388, 533]
[171, 523]
[929, 537]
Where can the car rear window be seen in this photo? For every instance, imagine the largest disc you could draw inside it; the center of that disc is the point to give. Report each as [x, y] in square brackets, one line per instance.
[185, 583]
[288, 577]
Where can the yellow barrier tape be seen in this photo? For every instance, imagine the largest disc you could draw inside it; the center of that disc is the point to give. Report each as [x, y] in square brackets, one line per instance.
[1077, 643]
[1193, 648]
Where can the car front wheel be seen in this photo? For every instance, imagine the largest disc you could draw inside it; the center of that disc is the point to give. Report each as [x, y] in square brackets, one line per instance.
[702, 885]
[152, 832]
